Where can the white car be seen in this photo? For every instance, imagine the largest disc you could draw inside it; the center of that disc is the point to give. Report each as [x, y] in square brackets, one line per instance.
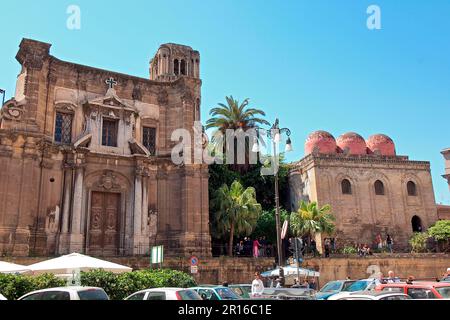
[67, 293]
[165, 294]
[2, 297]
[372, 295]
[357, 286]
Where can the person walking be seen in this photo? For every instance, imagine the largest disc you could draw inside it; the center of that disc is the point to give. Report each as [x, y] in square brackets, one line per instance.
[379, 242]
[314, 247]
[327, 246]
[392, 278]
[257, 286]
[389, 243]
[256, 246]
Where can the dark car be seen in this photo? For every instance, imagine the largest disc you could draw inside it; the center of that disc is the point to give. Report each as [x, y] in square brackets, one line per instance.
[332, 288]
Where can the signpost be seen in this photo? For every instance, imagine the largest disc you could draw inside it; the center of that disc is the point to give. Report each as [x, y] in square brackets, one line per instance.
[284, 229]
[194, 264]
[157, 256]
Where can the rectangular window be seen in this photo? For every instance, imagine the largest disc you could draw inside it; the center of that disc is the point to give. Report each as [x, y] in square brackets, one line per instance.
[63, 128]
[109, 132]
[149, 139]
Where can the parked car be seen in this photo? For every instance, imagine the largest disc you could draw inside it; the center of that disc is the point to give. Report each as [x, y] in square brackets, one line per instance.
[67, 293]
[2, 297]
[357, 286]
[242, 290]
[419, 289]
[288, 294]
[165, 294]
[372, 295]
[211, 292]
[333, 287]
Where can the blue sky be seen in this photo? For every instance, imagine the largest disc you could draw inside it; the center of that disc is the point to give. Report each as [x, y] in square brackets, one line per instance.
[313, 64]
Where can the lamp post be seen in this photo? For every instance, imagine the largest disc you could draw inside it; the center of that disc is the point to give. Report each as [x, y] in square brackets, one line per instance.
[274, 134]
[2, 92]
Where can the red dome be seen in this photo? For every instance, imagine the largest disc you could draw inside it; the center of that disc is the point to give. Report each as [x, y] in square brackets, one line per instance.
[320, 142]
[352, 143]
[381, 144]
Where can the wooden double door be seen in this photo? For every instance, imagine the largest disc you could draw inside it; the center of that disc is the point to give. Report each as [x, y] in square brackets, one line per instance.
[104, 224]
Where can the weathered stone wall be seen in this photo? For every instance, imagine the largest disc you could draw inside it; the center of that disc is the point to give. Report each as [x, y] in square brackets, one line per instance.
[241, 270]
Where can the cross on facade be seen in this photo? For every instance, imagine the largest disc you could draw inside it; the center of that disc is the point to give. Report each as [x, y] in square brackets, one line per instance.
[111, 83]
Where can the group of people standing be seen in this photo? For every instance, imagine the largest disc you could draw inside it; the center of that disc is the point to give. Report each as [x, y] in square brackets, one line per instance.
[256, 248]
[380, 244]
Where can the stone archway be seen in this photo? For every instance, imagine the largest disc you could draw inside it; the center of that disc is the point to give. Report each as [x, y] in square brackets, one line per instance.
[416, 224]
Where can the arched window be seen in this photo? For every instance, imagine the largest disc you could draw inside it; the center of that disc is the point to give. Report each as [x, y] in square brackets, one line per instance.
[176, 67]
[416, 223]
[412, 189]
[379, 188]
[183, 67]
[346, 187]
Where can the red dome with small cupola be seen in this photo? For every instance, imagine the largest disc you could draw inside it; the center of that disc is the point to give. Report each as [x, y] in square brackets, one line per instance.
[381, 144]
[352, 143]
[320, 142]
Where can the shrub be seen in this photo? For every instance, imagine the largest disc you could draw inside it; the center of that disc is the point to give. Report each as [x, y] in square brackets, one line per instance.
[440, 231]
[349, 250]
[120, 286]
[418, 242]
[14, 286]
[117, 286]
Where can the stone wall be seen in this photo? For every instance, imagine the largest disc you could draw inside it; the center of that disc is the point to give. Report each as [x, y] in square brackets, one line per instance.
[241, 270]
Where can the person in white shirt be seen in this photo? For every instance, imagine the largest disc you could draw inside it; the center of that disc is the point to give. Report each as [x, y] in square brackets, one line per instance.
[257, 286]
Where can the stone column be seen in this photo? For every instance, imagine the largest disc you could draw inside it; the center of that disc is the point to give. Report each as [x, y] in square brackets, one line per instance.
[144, 221]
[137, 217]
[76, 236]
[67, 194]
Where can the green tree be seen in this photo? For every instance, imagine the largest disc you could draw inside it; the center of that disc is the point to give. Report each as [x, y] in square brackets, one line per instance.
[234, 115]
[266, 225]
[310, 220]
[440, 231]
[418, 242]
[237, 211]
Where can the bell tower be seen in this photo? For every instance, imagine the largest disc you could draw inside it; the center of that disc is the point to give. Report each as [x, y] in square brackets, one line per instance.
[173, 61]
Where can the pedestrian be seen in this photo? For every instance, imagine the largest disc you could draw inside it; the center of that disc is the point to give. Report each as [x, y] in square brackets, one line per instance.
[379, 242]
[446, 276]
[279, 285]
[257, 286]
[392, 278]
[256, 246]
[410, 280]
[333, 245]
[389, 243]
[296, 284]
[313, 284]
[225, 284]
[327, 246]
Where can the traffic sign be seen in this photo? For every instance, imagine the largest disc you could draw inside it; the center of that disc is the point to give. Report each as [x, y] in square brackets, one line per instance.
[194, 269]
[284, 229]
[194, 261]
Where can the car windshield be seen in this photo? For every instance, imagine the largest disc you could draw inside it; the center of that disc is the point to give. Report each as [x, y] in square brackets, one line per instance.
[227, 294]
[331, 286]
[360, 285]
[444, 292]
[92, 294]
[189, 295]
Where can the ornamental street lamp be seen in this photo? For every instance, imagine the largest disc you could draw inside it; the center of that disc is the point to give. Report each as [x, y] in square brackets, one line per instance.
[274, 134]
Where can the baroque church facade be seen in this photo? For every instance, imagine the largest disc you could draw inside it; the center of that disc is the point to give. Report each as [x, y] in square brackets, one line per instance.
[370, 188]
[86, 158]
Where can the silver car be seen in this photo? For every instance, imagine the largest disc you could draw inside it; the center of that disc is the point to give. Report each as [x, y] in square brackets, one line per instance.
[67, 293]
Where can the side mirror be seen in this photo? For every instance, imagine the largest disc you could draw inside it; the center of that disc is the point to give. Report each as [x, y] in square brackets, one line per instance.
[204, 296]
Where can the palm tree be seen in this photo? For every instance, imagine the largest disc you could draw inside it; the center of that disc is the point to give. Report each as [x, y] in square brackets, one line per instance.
[237, 211]
[310, 220]
[233, 115]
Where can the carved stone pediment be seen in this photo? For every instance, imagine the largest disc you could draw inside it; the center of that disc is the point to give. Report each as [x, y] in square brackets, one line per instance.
[111, 101]
[84, 141]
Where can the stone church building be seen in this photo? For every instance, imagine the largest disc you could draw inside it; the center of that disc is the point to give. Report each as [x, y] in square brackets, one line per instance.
[85, 158]
[370, 188]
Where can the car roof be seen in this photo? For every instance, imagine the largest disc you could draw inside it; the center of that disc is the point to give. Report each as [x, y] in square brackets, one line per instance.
[73, 288]
[209, 286]
[161, 289]
[373, 293]
[416, 284]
